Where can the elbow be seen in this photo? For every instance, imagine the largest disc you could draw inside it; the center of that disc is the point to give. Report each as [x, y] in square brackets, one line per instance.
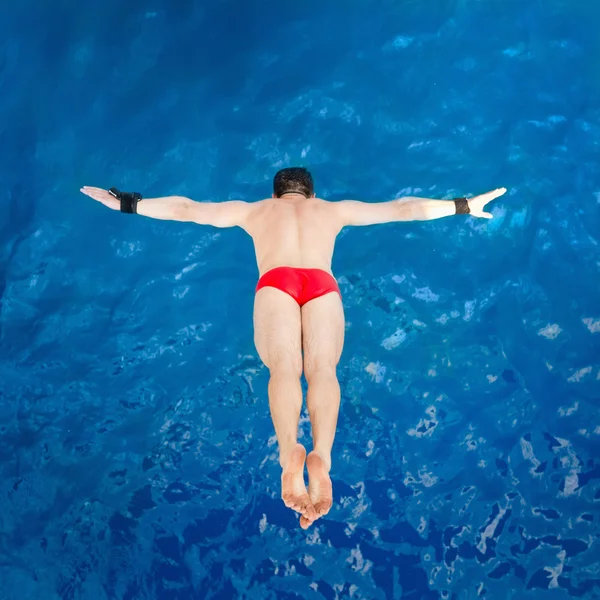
[407, 209]
[183, 209]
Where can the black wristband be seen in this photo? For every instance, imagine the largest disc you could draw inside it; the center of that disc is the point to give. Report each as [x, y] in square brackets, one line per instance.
[462, 206]
[129, 200]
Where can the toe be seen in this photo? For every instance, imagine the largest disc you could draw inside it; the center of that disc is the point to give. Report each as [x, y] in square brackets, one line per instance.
[305, 502]
[305, 523]
[310, 512]
[323, 507]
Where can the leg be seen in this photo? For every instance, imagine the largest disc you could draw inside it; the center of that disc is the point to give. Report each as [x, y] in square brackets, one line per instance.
[277, 336]
[323, 340]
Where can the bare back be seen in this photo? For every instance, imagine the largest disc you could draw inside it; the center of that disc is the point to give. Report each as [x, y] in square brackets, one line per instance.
[295, 232]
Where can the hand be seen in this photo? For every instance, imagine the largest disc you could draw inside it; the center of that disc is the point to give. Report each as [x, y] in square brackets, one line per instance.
[103, 196]
[477, 203]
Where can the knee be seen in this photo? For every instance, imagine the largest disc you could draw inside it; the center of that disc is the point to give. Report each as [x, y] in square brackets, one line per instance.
[288, 366]
[319, 367]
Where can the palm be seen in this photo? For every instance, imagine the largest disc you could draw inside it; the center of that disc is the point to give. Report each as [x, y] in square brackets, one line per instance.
[477, 203]
[101, 196]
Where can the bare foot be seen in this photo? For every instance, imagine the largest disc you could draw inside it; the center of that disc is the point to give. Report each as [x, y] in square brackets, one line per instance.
[319, 488]
[293, 489]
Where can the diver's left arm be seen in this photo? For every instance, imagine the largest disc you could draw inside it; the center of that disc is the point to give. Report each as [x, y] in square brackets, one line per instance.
[173, 208]
[352, 212]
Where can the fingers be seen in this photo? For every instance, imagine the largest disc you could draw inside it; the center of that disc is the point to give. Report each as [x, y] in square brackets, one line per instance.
[478, 202]
[97, 194]
[92, 192]
[482, 215]
[101, 196]
[492, 195]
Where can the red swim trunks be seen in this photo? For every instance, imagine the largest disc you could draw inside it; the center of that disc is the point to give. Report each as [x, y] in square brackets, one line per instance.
[303, 285]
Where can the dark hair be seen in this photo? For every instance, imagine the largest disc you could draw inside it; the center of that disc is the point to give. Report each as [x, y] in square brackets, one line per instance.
[294, 179]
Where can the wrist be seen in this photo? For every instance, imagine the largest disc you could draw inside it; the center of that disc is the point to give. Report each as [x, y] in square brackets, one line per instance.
[461, 206]
[128, 200]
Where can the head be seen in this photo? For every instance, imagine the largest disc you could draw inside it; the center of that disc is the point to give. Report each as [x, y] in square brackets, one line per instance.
[295, 180]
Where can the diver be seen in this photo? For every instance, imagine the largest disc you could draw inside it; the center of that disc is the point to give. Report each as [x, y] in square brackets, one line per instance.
[298, 312]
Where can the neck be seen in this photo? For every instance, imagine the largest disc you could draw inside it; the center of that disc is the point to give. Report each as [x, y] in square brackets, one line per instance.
[292, 196]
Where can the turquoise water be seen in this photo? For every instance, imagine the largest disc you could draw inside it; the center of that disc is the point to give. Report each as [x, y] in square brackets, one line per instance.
[138, 458]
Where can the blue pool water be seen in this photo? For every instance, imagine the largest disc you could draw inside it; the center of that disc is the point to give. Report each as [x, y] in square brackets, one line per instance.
[138, 459]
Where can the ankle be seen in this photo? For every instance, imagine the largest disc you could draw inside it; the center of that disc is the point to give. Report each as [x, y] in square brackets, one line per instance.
[286, 453]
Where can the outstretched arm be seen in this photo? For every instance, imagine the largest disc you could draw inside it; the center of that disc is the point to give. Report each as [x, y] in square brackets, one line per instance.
[178, 208]
[353, 212]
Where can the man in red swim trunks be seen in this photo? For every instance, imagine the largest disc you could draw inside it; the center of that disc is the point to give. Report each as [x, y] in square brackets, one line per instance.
[298, 314]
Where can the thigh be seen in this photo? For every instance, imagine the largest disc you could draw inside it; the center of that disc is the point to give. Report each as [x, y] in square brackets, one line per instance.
[277, 328]
[322, 331]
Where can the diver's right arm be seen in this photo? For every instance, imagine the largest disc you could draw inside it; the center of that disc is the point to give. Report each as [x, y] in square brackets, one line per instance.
[178, 208]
